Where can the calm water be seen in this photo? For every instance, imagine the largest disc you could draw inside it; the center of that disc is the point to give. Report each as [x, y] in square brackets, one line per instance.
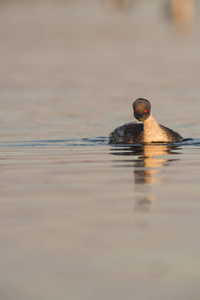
[82, 219]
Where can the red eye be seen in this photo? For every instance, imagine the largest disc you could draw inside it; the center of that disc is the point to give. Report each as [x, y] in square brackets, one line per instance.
[145, 111]
[134, 110]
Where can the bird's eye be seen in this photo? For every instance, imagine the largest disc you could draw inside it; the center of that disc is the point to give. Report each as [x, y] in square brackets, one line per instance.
[145, 111]
[134, 110]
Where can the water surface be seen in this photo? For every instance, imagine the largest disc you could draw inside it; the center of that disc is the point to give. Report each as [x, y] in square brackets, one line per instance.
[82, 218]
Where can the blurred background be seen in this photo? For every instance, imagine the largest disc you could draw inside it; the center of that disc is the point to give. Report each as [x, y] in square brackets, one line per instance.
[81, 219]
[73, 68]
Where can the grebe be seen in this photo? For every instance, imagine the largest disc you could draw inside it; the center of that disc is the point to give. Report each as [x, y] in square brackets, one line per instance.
[148, 132]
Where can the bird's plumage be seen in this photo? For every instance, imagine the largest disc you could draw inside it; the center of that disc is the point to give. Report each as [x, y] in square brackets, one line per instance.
[147, 132]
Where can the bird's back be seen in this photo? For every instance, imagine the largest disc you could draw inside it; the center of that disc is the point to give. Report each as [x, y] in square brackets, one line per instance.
[132, 133]
[172, 135]
[129, 133]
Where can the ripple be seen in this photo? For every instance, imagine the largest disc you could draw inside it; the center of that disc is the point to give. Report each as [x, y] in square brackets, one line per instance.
[193, 142]
[94, 141]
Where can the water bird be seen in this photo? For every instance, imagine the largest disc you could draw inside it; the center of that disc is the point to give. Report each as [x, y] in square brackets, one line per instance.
[147, 132]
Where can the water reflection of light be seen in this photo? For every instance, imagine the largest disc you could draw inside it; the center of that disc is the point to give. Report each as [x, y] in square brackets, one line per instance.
[182, 11]
[144, 204]
[147, 169]
[152, 161]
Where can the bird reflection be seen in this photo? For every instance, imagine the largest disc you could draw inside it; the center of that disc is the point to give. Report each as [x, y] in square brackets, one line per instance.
[148, 162]
[144, 204]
